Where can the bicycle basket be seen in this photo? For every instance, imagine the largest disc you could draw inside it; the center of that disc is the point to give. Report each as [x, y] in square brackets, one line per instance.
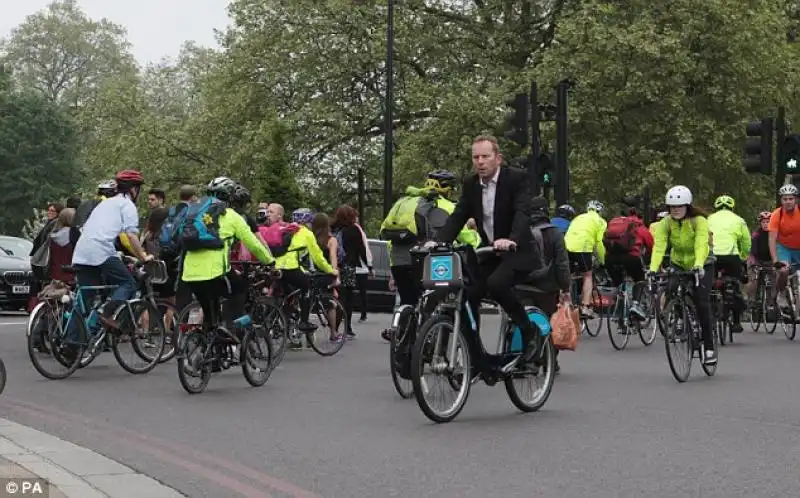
[442, 270]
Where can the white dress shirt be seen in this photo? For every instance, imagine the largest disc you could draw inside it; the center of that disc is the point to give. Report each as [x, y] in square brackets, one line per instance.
[488, 191]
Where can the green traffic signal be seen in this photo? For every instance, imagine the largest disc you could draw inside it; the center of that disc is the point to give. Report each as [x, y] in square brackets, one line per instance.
[791, 155]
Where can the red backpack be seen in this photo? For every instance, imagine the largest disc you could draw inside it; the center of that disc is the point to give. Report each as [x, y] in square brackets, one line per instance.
[278, 237]
[620, 237]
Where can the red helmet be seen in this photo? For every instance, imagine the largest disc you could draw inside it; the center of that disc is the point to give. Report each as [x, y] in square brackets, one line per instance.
[129, 176]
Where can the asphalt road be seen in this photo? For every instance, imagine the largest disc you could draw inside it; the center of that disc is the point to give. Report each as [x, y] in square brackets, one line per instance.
[616, 425]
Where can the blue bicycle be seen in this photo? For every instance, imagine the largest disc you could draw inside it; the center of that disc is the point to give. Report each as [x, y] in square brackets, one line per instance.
[442, 358]
[55, 356]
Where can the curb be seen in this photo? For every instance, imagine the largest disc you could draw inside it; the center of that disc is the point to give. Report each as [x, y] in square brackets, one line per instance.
[75, 471]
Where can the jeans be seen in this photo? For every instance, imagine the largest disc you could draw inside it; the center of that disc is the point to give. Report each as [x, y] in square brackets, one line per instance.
[111, 272]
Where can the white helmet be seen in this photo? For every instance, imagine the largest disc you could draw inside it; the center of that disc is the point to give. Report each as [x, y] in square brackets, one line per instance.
[595, 206]
[678, 196]
[787, 189]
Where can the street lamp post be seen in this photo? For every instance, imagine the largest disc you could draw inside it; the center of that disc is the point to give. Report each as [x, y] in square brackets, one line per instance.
[388, 146]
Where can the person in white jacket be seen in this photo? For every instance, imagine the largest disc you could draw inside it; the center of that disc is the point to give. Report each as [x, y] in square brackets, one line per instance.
[363, 272]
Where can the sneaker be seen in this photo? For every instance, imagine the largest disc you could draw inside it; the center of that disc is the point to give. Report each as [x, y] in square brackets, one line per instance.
[588, 313]
[351, 335]
[638, 312]
[363, 318]
[737, 328]
[387, 335]
[710, 357]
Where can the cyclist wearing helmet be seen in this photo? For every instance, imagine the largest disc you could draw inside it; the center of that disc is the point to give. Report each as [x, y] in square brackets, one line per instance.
[564, 215]
[685, 230]
[584, 238]
[416, 218]
[105, 189]
[731, 246]
[294, 276]
[95, 257]
[208, 272]
[759, 252]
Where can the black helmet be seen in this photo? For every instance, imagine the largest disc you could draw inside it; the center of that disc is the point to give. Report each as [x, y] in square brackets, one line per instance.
[240, 196]
[565, 211]
[442, 181]
[221, 187]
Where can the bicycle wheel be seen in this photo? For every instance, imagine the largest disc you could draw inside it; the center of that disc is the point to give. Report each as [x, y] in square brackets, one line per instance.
[194, 362]
[678, 339]
[400, 359]
[593, 327]
[141, 327]
[3, 376]
[45, 337]
[429, 357]
[787, 317]
[616, 323]
[270, 315]
[255, 356]
[329, 338]
[756, 307]
[720, 320]
[535, 381]
[169, 315]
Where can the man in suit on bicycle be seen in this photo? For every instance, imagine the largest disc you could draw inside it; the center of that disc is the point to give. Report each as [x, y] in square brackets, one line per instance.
[499, 201]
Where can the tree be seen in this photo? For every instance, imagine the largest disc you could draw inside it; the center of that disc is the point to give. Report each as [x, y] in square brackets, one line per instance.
[64, 55]
[662, 95]
[38, 147]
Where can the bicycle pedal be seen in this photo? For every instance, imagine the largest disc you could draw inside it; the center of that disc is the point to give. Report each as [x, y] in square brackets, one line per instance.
[507, 368]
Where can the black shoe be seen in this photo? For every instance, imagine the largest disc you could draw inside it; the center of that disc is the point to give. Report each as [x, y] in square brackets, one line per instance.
[530, 350]
[306, 327]
[737, 328]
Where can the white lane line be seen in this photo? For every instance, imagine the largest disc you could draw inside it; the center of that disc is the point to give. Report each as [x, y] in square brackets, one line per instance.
[12, 323]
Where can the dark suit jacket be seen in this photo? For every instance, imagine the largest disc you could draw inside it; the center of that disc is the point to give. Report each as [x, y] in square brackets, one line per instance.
[512, 210]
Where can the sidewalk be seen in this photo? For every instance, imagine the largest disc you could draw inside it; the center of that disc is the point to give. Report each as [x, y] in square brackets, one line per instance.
[71, 471]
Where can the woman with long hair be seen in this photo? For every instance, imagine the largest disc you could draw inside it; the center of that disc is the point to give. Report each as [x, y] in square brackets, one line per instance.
[344, 225]
[321, 226]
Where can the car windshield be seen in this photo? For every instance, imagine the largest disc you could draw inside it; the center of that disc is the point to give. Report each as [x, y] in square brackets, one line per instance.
[16, 247]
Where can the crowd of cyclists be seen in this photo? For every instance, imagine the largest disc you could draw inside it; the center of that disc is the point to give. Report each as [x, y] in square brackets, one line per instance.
[202, 238]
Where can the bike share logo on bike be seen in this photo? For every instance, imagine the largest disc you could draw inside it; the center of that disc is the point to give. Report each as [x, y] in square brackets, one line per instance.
[441, 268]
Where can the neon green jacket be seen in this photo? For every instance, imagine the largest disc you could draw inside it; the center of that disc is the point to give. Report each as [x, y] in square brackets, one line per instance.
[585, 234]
[303, 240]
[208, 264]
[729, 234]
[688, 239]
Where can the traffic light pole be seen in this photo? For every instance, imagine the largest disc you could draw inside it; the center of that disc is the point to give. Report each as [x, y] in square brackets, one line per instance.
[536, 146]
[780, 168]
[561, 166]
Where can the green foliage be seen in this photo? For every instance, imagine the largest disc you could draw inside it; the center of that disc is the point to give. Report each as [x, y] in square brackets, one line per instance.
[293, 104]
[38, 147]
[662, 95]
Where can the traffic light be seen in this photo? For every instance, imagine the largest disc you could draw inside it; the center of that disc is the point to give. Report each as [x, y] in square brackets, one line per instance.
[790, 162]
[518, 121]
[758, 147]
[546, 170]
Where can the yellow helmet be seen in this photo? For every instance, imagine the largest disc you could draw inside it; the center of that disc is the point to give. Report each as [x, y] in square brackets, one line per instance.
[724, 201]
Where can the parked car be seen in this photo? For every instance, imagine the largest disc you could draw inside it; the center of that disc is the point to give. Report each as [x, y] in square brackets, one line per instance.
[15, 272]
[379, 297]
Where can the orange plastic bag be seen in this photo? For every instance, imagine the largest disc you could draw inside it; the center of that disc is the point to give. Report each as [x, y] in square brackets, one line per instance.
[566, 327]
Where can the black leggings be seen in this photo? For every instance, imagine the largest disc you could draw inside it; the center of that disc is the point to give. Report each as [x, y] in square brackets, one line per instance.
[361, 282]
[209, 292]
[701, 296]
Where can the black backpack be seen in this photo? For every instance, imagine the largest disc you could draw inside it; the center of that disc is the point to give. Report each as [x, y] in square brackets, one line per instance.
[541, 257]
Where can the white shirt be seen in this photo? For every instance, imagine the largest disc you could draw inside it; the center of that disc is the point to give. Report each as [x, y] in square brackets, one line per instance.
[110, 218]
[488, 191]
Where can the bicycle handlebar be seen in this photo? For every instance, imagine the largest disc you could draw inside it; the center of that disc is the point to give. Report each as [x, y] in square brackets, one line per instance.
[422, 250]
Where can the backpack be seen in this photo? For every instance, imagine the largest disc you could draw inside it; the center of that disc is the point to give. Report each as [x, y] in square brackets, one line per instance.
[400, 225]
[278, 237]
[620, 237]
[200, 226]
[81, 217]
[169, 239]
[339, 247]
[542, 262]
